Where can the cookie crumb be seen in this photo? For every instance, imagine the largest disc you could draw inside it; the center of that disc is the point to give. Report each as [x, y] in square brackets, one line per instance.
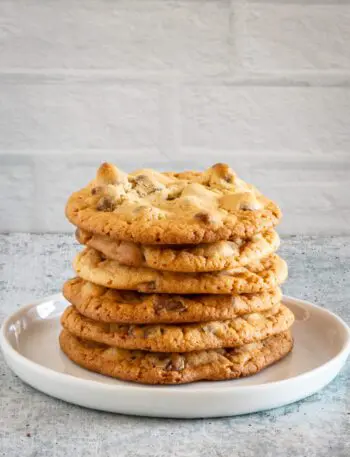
[106, 204]
[149, 286]
[204, 217]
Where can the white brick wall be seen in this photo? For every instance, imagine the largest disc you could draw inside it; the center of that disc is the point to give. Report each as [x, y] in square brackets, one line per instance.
[279, 37]
[263, 85]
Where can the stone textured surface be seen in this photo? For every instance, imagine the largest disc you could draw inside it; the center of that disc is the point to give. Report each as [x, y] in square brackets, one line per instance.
[32, 424]
[263, 85]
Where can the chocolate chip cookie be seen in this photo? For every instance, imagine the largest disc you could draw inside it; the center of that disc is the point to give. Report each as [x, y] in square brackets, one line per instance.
[131, 307]
[181, 338]
[174, 368]
[261, 275]
[149, 207]
[221, 255]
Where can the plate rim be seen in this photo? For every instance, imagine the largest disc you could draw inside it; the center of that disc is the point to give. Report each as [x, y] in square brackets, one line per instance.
[10, 352]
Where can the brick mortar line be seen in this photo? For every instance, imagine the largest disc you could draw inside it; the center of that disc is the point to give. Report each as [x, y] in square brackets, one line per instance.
[187, 152]
[314, 78]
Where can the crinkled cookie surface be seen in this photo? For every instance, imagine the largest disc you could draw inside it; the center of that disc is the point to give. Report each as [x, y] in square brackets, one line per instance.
[176, 368]
[149, 207]
[181, 338]
[261, 275]
[130, 307]
[221, 255]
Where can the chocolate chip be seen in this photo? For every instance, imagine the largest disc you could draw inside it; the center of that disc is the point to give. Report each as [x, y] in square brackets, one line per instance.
[228, 177]
[166, 303]
[144, 185]
[96, 190]
[107, 204]
[173, 194]
[163, 356]
[246, 206]
[147, 287]
[177, 363]
[143, 179]
[129, 296]
[204, 217]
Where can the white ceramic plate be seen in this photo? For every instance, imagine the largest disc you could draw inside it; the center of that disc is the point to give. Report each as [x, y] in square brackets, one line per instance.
[29, 340]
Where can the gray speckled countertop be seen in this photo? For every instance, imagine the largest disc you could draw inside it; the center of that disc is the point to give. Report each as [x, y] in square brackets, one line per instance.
[32, 424]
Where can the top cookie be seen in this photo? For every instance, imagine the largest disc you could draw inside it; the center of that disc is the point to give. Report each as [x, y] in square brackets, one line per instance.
[149, 207]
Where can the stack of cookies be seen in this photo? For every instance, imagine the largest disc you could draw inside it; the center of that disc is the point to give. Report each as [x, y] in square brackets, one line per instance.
[178, 280]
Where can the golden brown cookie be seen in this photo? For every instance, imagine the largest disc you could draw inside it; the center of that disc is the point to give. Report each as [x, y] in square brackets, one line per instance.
[164, 368]
[149, 207]
[261, 275]
[131, 307]
[181, 338]
[217, 256]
